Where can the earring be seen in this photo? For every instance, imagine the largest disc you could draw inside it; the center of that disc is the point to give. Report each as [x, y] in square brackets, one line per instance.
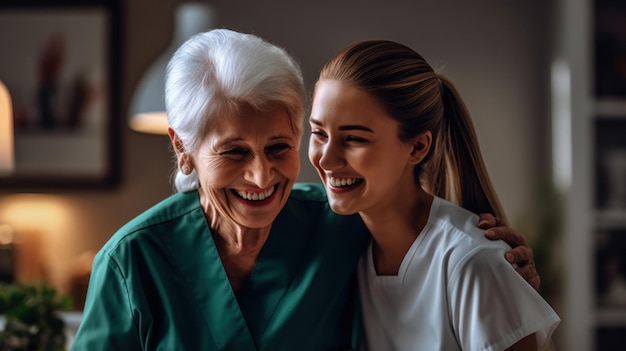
[186, 169]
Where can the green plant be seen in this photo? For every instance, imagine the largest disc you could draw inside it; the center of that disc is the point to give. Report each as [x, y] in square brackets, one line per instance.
[544, 228]
[32, 323]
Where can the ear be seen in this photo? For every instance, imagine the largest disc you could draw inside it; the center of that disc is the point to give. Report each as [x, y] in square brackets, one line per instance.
[182, 156]
[177, 144]
[421, 145]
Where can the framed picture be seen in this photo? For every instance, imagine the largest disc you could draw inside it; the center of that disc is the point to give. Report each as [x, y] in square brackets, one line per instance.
[61, 64]
[610, 48]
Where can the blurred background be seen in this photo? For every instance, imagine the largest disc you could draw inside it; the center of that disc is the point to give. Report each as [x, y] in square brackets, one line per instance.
[550, 122]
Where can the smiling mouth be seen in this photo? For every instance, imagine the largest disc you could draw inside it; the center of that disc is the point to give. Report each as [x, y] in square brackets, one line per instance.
[256, 196]
[344, 182]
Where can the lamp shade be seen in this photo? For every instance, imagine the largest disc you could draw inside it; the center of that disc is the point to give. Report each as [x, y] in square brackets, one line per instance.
[7, 162]
[147, 109]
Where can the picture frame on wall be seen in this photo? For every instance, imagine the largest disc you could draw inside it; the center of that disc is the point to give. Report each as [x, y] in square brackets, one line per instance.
[61, 64]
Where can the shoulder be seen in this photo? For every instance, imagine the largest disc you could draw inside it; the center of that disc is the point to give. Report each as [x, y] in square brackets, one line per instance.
[313, 192]
[458, 239]
[309, 199]
[460, 226]
[308, 207]
[332, 236]
[165, 213]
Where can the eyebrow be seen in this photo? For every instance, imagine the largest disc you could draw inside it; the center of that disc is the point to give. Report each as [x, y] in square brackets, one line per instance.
[238, 139]
[344, 127]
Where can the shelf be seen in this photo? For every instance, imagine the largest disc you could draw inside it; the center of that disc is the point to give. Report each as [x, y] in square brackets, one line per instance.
[612, 107]
[611, 317]
[610, 219]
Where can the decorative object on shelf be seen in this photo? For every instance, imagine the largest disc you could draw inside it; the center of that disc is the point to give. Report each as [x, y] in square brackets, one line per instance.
[614, 162]
[7, 162]
[610, 272]
[31, 318]
[610, 164]
[147, 111]
[60, 61]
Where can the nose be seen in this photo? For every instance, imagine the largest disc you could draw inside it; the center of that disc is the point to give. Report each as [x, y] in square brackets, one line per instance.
[331, 157]
[260, 171]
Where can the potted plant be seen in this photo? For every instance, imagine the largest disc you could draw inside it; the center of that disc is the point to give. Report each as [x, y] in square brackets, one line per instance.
[31, 322]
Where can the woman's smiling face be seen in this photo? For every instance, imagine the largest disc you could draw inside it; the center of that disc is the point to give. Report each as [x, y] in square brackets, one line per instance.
[355, 148]
[247, 164]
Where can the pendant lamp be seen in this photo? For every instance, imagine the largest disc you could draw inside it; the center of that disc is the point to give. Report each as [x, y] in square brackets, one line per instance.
[147, 108]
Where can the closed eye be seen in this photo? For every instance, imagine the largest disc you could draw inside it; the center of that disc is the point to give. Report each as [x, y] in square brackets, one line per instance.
[277, 148]
[356, 139]
[319, 133]
[236, 152]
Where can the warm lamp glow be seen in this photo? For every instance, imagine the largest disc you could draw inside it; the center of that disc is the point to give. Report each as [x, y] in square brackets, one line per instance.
[7, 163]
[147, 110]
[149, 122]
[45, 232]
[43, 212]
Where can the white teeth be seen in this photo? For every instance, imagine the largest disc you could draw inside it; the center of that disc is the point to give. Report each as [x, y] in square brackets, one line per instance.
[256, 196]
[343, 181]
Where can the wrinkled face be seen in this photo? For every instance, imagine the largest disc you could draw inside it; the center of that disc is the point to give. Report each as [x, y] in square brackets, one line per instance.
[247, 164]
[355, 148]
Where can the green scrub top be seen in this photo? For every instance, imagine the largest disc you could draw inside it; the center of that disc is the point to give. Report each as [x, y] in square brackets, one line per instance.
[159, 284]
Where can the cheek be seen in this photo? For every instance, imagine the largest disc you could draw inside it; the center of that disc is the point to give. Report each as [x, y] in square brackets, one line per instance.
[366, 162]
[289, 165]
[215, 172]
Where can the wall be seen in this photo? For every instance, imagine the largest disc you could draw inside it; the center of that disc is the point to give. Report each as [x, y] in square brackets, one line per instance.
[495, 51]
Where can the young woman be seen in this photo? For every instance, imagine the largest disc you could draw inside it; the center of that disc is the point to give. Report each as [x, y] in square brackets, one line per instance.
[391, 139]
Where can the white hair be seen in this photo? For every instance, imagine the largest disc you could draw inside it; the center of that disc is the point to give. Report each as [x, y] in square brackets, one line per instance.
[219, 71]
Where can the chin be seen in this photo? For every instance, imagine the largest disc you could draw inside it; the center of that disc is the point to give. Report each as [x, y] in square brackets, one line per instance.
[342, 210]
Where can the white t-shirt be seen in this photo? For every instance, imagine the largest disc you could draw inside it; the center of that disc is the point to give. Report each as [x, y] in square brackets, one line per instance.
[454, 291]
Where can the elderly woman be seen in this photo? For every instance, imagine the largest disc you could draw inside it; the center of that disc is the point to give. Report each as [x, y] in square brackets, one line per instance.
[240, 257]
